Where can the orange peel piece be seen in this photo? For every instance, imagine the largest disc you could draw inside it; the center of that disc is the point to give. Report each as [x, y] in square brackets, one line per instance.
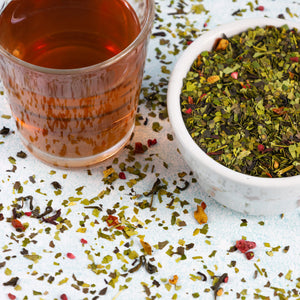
[200, 215]
[146, 247]
[222, 44]
[213, 79]
[173, 280]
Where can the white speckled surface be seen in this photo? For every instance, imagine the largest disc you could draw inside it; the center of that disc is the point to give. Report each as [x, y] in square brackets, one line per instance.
[209, 254]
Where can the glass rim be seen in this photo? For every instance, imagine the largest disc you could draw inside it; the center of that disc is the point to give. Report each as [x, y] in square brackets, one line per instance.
[146, 27]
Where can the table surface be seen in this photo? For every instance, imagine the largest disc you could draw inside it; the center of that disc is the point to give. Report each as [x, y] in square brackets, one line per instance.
[83, 258]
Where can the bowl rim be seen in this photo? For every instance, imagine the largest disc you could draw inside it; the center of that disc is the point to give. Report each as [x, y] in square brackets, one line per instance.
[181, 68]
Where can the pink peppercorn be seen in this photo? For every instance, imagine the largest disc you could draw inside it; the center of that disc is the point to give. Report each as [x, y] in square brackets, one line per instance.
[226, 279]
[11, 296]
[71, 255]
[122, 175]
[188, 111]
[261, 8]
[28, 213]
[83, 241]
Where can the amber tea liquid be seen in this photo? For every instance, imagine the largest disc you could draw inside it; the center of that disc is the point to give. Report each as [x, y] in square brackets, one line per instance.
[77, 114]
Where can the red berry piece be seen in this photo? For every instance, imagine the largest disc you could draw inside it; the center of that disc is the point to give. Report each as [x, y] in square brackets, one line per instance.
[261, 8]
[260, 147]
[245, 246]
[63, 297]
[138, 148]
[249, 255]
[122, 175]
[71, 255]
[11, 296]
[151, 142]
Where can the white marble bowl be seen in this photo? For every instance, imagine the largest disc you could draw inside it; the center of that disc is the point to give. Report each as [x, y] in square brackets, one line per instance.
[244, 193]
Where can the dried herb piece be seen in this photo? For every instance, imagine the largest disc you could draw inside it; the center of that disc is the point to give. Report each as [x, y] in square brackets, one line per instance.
[47, 211]
[99, 207]
[155, 188]
[216, 286]
[240, 102]
[4, 131]
[12, 282]
[204, 278]
[56, 185]
[21, 154]
[150, 268]
[52, 219]
[138, 266]
[186, 185]
[103, 291]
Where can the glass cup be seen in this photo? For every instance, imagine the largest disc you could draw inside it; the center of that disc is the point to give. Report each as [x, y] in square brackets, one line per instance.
[75, 117]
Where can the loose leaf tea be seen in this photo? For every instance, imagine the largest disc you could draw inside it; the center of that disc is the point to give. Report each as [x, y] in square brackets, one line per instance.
[240, 102]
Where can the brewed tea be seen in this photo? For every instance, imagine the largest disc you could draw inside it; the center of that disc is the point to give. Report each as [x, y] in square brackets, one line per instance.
[65, 114]
[67, 34]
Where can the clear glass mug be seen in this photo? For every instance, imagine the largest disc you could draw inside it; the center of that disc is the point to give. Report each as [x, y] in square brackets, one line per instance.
[76, 117]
